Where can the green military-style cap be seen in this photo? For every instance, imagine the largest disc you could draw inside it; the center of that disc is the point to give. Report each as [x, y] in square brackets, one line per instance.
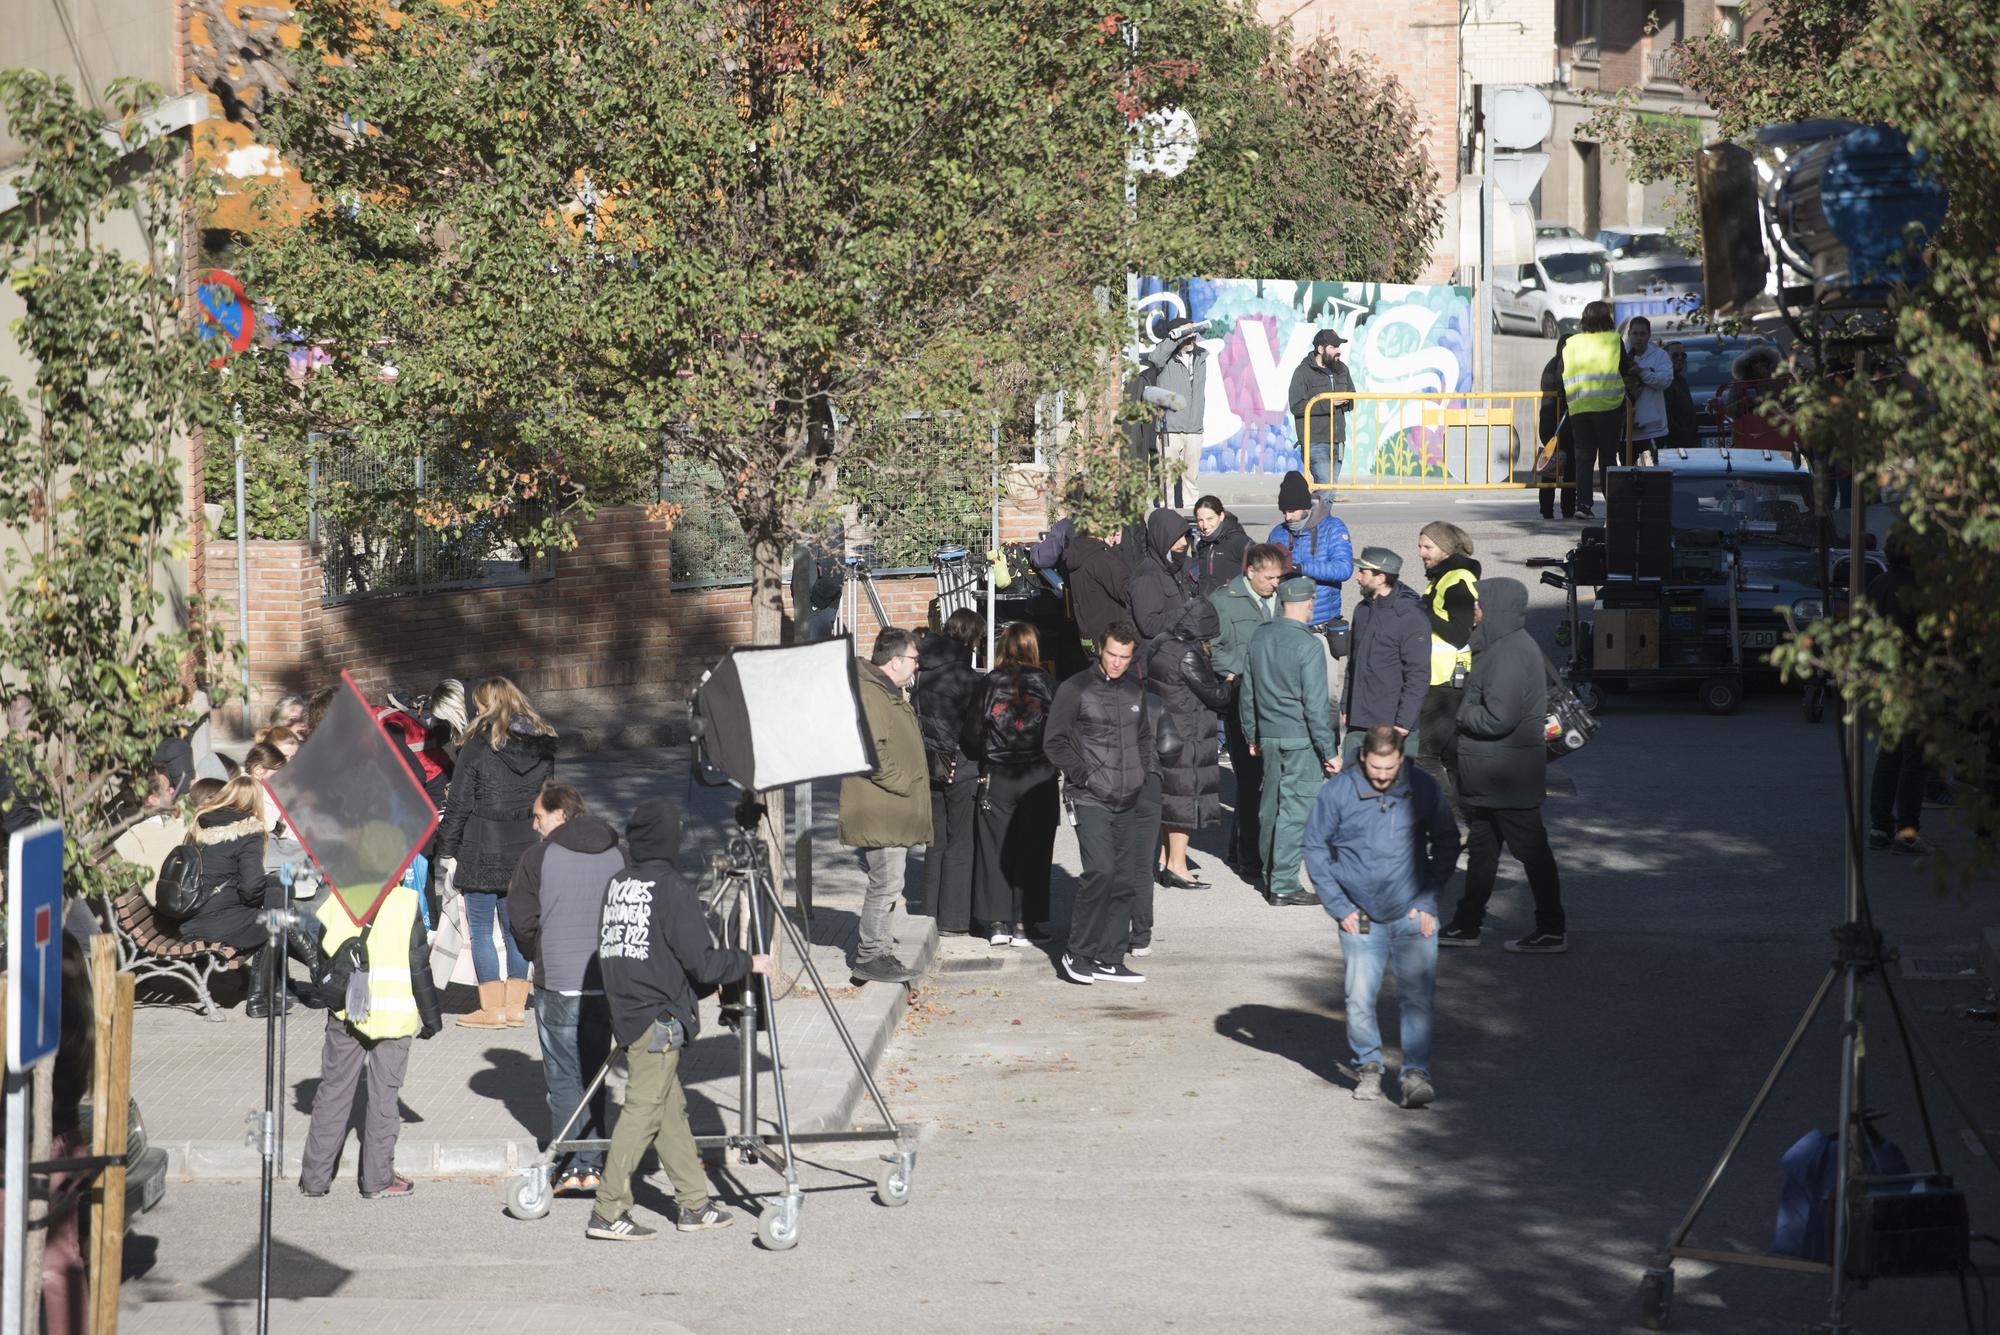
[1297, 589]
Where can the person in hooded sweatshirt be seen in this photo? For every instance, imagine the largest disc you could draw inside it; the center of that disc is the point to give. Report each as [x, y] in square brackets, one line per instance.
[507, 754]
[1446, 551]
[1180, 671]
[1502, 770]
[1098, 582]
[1160, 596]
[946, 693]
[657, 957]
[556, 906]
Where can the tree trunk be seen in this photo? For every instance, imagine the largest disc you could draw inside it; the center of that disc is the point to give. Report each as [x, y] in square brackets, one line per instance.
[768, 568]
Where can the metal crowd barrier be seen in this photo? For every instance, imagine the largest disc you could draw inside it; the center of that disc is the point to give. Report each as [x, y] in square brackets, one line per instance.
[1446, 441]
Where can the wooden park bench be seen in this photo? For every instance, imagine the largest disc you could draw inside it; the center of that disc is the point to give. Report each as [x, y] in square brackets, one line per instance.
[149, 947]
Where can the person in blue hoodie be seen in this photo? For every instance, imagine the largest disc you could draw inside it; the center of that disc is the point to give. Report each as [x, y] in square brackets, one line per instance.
[1380, 845]
[1321, 549]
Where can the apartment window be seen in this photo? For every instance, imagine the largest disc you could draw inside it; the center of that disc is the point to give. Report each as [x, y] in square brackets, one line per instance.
[1668, 26]
[1589, 30]
[1729, 22]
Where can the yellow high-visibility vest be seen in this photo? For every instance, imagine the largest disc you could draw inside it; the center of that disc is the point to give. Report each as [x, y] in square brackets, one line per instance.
[1446, 656]
[1591, 383]
[392, 1005]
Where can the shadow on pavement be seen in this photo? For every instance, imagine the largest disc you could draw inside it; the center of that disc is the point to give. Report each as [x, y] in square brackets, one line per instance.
[295, 1273]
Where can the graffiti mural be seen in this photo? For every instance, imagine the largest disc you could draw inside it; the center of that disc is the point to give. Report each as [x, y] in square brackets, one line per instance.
[1401, 339]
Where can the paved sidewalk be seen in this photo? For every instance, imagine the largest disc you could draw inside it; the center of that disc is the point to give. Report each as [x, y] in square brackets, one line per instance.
[473, 1104]
[341, 1315]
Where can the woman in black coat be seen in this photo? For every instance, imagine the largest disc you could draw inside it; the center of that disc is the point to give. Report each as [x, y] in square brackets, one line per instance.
[1160, 595]
[507, 754]
[235, 886]
[1018, 795]
[1219, 545]
[947, 685]
[1178, 667]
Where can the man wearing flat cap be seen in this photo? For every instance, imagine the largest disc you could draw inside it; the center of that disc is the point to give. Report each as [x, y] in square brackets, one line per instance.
[1321, 372]
[1389, 664]
[1287, 720]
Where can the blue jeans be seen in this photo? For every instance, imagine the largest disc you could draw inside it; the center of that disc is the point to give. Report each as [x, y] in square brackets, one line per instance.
[1402, 948]
[1325, 460]
[480, 908]
[576, 1039]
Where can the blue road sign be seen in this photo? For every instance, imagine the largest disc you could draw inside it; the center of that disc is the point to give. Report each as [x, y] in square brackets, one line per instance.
[34, 944]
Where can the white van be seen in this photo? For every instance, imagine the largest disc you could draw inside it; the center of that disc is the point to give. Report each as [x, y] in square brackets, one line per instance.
[1548, 296]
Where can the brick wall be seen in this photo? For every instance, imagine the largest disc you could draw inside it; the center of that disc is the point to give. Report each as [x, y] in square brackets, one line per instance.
[608, 617]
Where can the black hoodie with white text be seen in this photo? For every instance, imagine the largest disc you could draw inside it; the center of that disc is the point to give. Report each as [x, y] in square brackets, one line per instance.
[655, 949]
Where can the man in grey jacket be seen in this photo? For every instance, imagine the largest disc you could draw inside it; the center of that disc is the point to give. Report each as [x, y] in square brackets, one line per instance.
[556, 907]
[1380, 845]
[1389, 666]
[1178, 364]
[1503, 769]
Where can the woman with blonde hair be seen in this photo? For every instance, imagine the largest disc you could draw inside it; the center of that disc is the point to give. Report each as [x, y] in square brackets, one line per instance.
[1446, 551]
[235, 885]
[506, 754]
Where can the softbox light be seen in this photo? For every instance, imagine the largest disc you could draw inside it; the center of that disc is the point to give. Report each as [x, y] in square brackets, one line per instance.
[354, 805]
[768, 717]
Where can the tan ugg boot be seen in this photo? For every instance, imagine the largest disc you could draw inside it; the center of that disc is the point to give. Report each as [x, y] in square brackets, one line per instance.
[516, 1004]
[489, 1015]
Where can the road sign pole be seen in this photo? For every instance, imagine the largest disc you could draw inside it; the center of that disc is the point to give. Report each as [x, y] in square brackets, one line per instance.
[33, 1026]
[17, 1199]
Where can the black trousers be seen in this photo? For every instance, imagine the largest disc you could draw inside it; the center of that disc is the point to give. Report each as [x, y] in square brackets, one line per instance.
[1527, 839]
[1437, 730]
[1249, 772]
[1896, 788]
[948, 861]
[1146, 862]
[1598, 436]
[1566, 493]
[1019, 806]
[1100, 922]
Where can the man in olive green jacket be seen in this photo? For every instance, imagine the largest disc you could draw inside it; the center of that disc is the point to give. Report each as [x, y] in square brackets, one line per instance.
[1244, 604]
[1283, 708]
[886, 813]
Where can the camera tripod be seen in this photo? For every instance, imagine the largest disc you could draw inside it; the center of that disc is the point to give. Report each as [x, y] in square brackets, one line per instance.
[742, 886]
[858, 580]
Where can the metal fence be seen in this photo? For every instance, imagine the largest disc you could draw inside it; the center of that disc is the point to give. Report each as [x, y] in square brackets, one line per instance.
[367, 523]
[1433, 441]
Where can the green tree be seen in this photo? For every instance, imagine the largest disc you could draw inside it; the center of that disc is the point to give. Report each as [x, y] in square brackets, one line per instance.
[90, 486]
[1922, 433]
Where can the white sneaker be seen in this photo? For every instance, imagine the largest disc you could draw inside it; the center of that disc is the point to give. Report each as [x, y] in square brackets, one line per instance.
[1001, 937]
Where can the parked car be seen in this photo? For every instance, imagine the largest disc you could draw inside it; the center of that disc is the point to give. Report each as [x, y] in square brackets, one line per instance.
[1638, 243]
[1548, 296]
[1666, 289]
[1552, 231]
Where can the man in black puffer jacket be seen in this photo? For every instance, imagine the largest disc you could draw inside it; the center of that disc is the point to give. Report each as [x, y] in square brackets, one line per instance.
[1503, 770]
[1102, 736]
[655, 954]
[946, 693]
[1389, 666]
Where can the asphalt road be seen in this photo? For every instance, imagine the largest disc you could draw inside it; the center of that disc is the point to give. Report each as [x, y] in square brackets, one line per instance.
[1181, 1155]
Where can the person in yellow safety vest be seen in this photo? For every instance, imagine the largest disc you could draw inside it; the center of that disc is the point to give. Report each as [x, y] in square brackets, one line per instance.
[401, 1002]
[1446, 551]
[1594, 369]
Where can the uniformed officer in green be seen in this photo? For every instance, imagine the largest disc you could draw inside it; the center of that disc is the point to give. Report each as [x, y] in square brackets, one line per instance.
[1286, 719]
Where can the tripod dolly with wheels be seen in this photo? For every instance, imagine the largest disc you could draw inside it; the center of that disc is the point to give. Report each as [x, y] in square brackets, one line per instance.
[743, 895]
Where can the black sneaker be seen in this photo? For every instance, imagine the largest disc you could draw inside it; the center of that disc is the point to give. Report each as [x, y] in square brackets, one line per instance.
[622, 1229]
[1367, 1081]
[1078, 970]
[1295, 899]
[1539, 943]
[1118, 973]
[1458, 936]
[1880, 839]
[708, 1216]
[1417, 1091]
[883, 969]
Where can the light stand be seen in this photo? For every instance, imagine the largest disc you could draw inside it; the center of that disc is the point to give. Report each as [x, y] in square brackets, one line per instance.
[266, 1130]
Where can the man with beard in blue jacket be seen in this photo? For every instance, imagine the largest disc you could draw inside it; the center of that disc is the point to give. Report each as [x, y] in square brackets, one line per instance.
[1380, 845]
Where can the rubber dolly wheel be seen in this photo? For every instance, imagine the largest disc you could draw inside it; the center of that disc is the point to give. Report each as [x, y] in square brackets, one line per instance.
[777, 1228]
[892, 1188]
[1722, 695]
[528, 1195]
[1656, 1299]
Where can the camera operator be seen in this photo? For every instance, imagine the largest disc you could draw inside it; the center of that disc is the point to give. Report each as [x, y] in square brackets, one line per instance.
[657, 957]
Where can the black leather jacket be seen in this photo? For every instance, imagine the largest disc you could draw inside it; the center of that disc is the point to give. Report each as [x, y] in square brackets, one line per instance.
[1007, 731]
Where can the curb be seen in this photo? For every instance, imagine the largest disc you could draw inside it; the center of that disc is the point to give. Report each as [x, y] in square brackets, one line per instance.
[471, 1160]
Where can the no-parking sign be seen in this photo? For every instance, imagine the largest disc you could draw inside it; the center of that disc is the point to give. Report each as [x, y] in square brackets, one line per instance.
[223, 313]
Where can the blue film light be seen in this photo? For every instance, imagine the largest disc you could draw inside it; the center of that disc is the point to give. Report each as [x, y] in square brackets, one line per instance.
[1883, 205]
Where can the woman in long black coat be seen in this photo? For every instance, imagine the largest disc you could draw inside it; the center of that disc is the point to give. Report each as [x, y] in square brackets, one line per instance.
[1018, 795]
[947, 686]
[507, 754]
[229, 831]
[1178, 667]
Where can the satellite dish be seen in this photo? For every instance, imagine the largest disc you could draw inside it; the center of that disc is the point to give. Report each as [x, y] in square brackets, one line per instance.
[1167, 140]
[1517, 116]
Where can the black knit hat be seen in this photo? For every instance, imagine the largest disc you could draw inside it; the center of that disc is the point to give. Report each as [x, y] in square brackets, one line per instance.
[1293, 494]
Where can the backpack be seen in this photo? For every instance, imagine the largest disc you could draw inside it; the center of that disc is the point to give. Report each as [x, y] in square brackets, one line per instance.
[177, 893]
[334, 981]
